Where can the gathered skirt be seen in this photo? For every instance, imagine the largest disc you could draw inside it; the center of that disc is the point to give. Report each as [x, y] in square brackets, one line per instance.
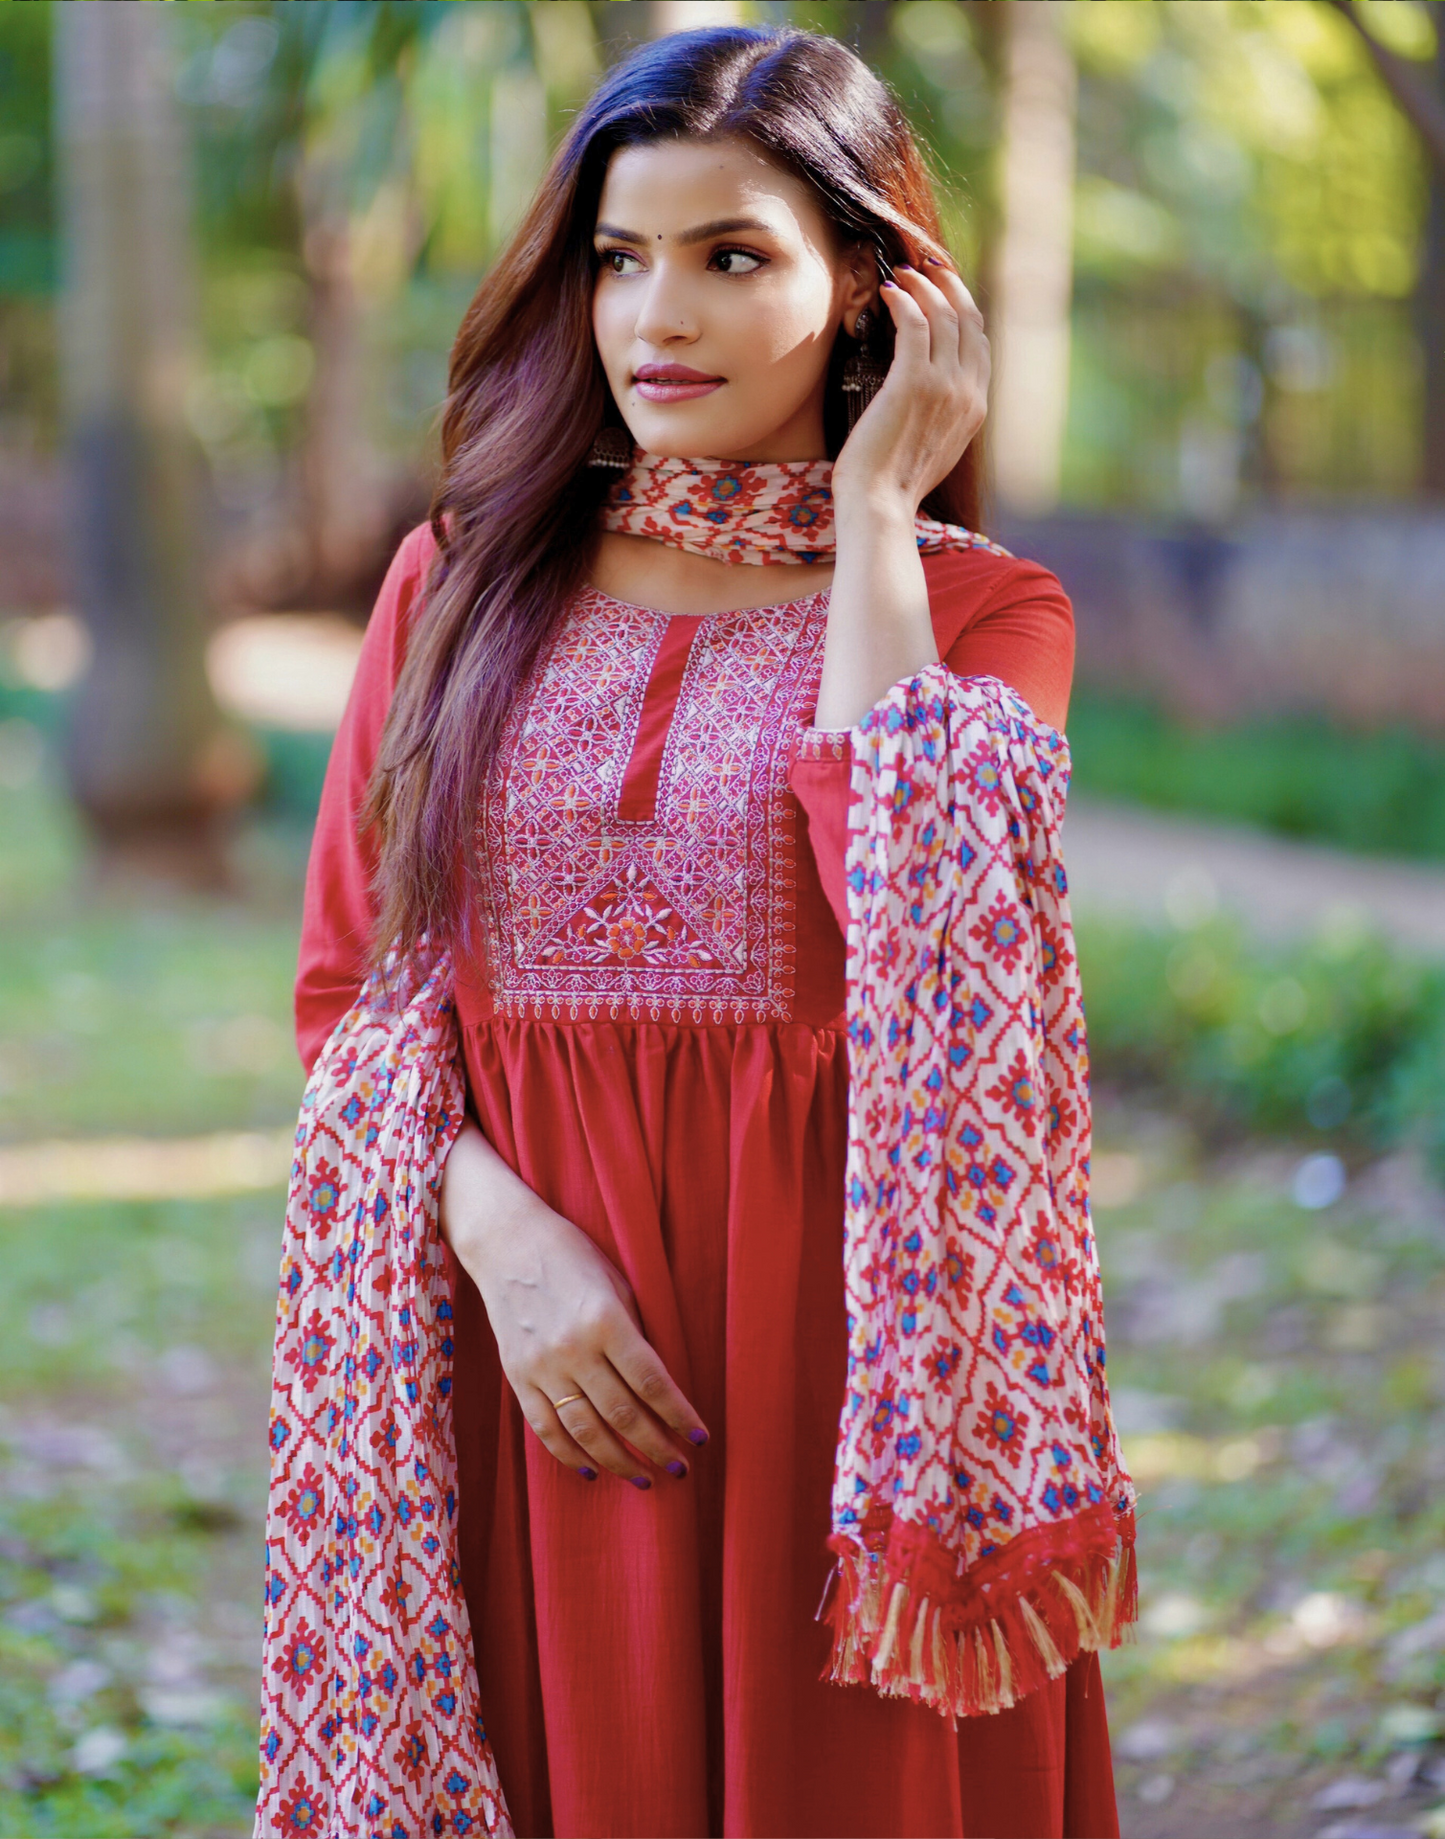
[651, 1663]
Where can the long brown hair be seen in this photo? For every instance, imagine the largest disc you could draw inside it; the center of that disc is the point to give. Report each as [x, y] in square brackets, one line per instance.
[513, 515]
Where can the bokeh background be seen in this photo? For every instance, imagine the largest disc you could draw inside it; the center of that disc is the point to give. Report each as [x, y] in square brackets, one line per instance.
[235, 242]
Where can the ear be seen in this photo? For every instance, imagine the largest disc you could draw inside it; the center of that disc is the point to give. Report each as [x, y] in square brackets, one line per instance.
[857, 284]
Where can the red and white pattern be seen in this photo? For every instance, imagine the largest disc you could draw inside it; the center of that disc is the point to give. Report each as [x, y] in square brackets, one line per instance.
[687, 913]
[733, 511]
[981, 1516]
[371, 1726]
[981, 1512]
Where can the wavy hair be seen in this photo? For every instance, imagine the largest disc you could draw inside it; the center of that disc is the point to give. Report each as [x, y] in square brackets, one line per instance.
[513, 514]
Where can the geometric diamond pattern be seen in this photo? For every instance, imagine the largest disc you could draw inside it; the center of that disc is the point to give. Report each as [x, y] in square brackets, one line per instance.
[688, 913]
[370, 1722]
[977, 1454]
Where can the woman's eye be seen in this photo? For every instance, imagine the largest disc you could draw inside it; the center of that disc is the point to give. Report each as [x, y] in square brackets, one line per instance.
[737, 261]
[614, 260]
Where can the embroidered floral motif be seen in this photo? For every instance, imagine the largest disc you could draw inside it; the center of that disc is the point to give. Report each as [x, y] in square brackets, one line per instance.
[688, 913]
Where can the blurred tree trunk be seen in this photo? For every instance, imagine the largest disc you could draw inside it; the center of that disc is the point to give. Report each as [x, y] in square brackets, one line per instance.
[149, 760]
[344, 500]
[1033, 259]
[1419, 90]
[872, 30]
[690, 15]
[1430, 295]
[622, 25]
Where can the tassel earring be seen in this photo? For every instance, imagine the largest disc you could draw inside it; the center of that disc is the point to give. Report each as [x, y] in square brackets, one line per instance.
[612, 450]
[863, 376]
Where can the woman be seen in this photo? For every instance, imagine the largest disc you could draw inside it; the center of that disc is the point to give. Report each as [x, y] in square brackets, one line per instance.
[646, 927]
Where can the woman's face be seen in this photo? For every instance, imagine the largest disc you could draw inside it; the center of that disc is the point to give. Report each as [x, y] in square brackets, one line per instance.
[721, 288]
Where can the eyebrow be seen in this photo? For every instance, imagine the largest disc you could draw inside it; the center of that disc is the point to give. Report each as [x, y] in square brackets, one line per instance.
[720, 226]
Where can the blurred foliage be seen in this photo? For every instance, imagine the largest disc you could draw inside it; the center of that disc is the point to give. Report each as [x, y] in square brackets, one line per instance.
[1380, 792]
[1340, 1038]
[1249, 214]
[1275, 1374]
[1248, 226]
[121, 1006]
[1252, 147]
[128, 1555]
[29, 406]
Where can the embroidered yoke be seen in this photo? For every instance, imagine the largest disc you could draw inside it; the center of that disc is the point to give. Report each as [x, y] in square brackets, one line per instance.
[654, 1038]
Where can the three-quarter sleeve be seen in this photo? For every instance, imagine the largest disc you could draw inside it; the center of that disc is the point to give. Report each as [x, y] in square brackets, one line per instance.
[338, 913]
[993, 616]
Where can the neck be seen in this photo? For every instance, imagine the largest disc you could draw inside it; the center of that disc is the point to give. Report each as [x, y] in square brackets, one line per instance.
[641, 572]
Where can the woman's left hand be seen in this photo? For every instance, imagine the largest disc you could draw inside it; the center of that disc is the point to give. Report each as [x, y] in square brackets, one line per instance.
[915, 430]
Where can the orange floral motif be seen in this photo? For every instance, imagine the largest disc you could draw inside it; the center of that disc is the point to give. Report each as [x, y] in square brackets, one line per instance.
[734, 512]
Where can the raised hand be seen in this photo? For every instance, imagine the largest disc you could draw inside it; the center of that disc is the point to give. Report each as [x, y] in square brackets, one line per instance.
[934, 399]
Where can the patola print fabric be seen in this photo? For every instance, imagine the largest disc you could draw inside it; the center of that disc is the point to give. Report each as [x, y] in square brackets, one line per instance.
[778, 512]
[982, 1517]
[370, 1722]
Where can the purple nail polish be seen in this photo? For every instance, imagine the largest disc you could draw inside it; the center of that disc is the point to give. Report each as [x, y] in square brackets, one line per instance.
[679, 1469]
[588, 1474]
[698, 1436]
[640, 1481]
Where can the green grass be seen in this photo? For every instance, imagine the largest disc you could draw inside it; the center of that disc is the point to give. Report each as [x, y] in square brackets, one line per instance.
[139, 1010]
[1276, 1372]
[1339, 1038]
[135, 1341]
[133, 1356]
[1382, 793]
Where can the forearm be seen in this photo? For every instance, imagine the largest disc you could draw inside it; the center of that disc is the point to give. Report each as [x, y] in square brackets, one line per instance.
[481, 1197]
[879, 629]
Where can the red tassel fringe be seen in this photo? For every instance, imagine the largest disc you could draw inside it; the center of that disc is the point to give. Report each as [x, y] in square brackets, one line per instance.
[906, 1624]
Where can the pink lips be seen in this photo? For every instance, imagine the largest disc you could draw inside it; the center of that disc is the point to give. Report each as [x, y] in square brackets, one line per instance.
[673, 382]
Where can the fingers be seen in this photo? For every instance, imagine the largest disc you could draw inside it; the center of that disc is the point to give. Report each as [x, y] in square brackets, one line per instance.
[941, 315]
[912, 335]
[576, 1435]
[970, 319]
[955, 322]
[629, 1421]
[617, 1409]
[638, 1366]
[958, 359]
[585, 1428]
[552, 1434]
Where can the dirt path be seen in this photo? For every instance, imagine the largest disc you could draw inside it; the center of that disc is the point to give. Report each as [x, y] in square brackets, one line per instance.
[1158, 867]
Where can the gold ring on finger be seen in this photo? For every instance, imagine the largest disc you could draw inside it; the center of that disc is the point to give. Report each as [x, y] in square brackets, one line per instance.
[571, 1399]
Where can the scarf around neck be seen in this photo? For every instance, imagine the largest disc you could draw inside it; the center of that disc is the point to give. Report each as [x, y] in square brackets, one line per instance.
[738, 510]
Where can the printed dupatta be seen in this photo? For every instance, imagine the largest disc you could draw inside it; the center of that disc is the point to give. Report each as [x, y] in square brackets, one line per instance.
[370, 1720]
[981, 1517]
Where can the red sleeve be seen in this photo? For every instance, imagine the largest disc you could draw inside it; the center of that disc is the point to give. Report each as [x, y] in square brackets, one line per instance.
[337, 916]
[1001, 616]
[993, 616]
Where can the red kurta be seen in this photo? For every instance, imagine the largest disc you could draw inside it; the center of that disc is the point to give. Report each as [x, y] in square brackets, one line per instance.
[656, 1046]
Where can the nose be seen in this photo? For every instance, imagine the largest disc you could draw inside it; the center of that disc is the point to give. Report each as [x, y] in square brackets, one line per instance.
[667, 313]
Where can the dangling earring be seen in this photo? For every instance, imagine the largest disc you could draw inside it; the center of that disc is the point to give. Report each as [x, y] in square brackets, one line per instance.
[612, 450]
[863, 376]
